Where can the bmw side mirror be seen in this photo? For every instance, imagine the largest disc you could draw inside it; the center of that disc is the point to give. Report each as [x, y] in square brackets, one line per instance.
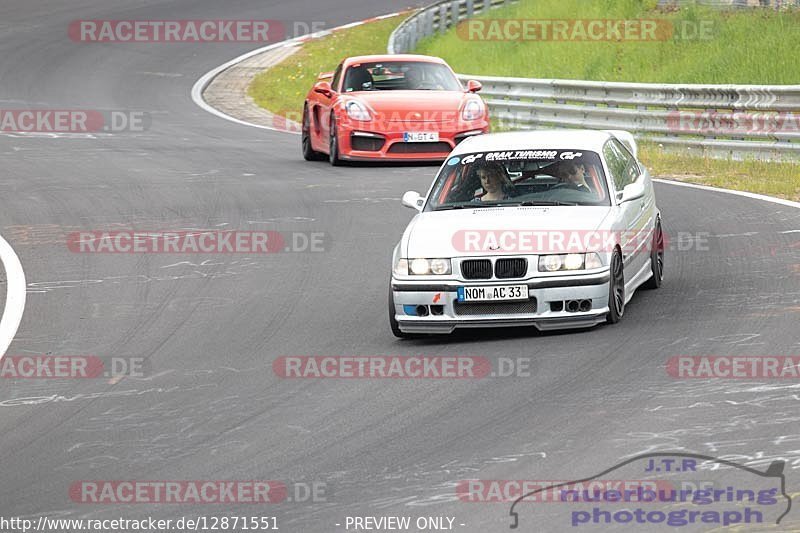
[413, 200]
[632, 191]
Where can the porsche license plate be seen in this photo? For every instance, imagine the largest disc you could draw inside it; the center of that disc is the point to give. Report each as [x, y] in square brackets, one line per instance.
[421, 137]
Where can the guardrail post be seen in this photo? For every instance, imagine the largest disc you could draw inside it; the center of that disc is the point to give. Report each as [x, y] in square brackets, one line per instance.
[428, 26]
[442, 18]
[455, 13]
[470, 8]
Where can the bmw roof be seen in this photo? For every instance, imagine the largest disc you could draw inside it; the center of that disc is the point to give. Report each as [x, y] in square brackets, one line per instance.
[590, 140]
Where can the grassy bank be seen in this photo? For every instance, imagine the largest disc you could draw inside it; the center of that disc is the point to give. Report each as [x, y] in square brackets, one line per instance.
[283, 88]
[700, 45]
[773, 179]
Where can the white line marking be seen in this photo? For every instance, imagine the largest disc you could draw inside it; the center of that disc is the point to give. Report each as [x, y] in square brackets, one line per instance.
[751, 195]
[202, 83]
[15, 295]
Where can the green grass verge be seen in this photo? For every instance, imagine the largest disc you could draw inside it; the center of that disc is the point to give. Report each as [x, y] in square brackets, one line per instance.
[773, 179]
[283, 88]
[746, 47]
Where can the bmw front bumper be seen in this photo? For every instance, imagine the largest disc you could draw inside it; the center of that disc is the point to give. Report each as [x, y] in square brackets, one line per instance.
[433, 307]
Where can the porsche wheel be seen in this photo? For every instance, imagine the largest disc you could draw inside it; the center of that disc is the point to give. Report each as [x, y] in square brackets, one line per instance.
[333, 144]
[309, 154]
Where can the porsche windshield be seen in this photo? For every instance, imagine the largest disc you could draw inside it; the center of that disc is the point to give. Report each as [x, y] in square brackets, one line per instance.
[400, 75]
[520, 177]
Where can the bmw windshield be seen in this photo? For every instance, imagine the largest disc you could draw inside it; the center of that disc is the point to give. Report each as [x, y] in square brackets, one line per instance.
[520, 177]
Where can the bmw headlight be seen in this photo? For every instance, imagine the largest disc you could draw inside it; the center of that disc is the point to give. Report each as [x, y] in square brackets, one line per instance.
[440, 267]
[573, 261]
[401, 268]
[593, 261]
[550, 263]
[568, 262]
[473, 110]
[357, 111]
[423, 267]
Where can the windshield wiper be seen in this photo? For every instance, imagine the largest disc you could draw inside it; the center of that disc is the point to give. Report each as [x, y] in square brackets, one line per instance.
[449, 207]
[529, 203]
[476, 205]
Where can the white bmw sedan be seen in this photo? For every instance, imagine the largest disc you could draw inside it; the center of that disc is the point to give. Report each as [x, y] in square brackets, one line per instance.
[554, 229]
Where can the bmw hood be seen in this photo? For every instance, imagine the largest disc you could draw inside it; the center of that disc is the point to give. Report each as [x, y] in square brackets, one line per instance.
[497, 231]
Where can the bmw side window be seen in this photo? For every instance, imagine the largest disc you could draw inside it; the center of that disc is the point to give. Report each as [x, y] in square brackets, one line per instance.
[616, 165]
[336, 76]
[632, 170]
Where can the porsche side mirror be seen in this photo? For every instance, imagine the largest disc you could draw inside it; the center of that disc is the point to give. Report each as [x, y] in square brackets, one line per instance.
[474, 86]
[324, 88]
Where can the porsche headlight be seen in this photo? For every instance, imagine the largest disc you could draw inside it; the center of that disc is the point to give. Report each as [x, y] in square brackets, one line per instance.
[357, 111]
[567, 262]
[473, 110]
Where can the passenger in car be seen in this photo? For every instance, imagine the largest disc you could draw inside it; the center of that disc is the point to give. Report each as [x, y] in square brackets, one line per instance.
[494, 182]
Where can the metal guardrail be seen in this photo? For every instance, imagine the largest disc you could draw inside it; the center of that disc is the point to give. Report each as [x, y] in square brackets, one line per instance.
[437, 18]
[734, 120]
[737, 121]
[773, 4]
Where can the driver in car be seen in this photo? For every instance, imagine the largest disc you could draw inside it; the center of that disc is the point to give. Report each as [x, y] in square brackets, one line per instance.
[415, 80]
[573, 176]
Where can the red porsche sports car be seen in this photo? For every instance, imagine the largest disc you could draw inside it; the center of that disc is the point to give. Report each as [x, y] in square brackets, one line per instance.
[390, 107]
